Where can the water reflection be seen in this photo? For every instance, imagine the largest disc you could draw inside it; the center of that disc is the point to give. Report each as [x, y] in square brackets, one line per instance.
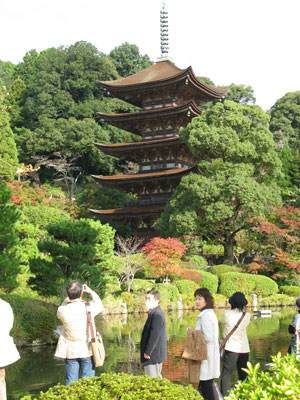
[37, 370]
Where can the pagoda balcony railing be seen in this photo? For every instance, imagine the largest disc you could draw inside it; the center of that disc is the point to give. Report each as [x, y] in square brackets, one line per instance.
[163, 199]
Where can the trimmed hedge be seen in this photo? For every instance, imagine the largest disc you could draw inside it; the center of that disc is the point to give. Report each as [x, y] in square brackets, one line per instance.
[120, 387]
[141, 286]
[232, 282]
[290, 290]
[33, 320]
[169, 295]
[202, 278]
[223, 268]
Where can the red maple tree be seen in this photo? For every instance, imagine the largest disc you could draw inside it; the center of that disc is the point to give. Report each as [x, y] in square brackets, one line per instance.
[164, 255]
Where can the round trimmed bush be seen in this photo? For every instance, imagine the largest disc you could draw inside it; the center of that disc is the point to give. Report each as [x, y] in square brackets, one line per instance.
[232, 282]
[290, 290]
[141, 286]
[186, 287]
[208, 280]
[120, 387]
[169, 295]
[223, 268]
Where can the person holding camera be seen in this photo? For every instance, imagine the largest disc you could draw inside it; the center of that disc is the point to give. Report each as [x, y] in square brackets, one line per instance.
[74, 344]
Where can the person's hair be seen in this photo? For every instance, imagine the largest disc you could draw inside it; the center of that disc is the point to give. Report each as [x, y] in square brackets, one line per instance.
[238, 301]
[74, 290]
[155, 294]
[208, 297]
[298, 302]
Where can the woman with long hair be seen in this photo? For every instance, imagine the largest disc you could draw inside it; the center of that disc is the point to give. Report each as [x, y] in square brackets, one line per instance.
[207, 323]
[237, 349]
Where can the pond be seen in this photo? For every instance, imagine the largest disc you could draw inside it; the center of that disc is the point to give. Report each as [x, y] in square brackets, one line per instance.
[37, 370]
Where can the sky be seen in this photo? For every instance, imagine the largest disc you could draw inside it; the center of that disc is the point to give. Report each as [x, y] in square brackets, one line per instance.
[250, 42]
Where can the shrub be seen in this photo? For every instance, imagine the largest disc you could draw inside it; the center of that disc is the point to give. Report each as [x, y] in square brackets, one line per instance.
[223, 268]
[280, 382]
[33, 320]
[209, 281]
[202, 278]
[232, 282]
[169, 295]
[194, 262]
[186, 289]
[290, 290]
[120, 387]
[141, 286]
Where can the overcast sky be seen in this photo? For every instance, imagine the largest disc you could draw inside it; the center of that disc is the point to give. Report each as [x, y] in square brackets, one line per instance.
[252, 42]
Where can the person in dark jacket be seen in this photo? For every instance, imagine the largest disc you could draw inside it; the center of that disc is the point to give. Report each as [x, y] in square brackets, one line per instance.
[154, 338]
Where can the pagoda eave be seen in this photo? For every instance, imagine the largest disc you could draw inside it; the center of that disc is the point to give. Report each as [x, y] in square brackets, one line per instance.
[117, 180]
[128, 212]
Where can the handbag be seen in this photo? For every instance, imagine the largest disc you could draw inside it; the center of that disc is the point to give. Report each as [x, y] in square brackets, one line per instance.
[97, 342]
[224, 341]
[195, 347]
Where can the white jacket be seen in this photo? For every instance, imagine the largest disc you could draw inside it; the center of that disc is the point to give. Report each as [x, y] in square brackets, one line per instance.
[207, 323]
[74, 342]
[238, 341]
[8, 351]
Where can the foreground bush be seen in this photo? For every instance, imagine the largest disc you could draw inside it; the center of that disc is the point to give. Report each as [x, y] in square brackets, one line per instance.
[247, 283]
[290, 290]
[280, 383]
[120, 387]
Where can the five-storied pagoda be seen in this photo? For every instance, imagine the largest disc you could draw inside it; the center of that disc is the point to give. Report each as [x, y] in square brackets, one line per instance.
[168, 97]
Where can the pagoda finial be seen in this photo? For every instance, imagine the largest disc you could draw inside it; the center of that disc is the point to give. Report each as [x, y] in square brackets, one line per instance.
[164, 32]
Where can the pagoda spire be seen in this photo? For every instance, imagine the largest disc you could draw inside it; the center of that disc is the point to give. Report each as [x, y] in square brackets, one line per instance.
[164, 33]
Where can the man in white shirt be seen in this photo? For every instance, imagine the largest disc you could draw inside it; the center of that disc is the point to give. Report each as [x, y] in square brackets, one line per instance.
[74, 344]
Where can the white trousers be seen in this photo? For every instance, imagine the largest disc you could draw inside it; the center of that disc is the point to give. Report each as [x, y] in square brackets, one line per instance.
[153, 370]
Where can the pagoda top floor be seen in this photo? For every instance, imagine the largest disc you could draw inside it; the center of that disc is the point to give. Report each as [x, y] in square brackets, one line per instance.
[162, 83]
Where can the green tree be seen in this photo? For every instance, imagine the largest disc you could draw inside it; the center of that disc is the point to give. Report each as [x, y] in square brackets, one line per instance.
[236, 179]
[8, 149]
[6, 72]
[128, 59]
[240, 94]
[285, 119]
[75, 250]
[16, 101]
[9, 263]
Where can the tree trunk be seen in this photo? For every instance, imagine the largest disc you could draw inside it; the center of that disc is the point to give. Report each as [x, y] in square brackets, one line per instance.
[228, 251]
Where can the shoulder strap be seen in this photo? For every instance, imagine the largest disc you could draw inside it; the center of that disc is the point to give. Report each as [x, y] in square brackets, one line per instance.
[222, 345]
[90, 321]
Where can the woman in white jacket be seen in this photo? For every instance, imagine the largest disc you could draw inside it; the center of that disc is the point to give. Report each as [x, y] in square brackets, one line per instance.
[8, 351]
[237, 346]
[207, 323]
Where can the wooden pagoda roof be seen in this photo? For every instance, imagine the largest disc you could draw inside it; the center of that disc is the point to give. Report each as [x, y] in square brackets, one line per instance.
[129, 212]
[137, 145]
[119, 180]
[160, 74]
[130, 121]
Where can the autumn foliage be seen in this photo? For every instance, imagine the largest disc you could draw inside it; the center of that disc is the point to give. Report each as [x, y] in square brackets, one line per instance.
[279, 235]
[164, 255]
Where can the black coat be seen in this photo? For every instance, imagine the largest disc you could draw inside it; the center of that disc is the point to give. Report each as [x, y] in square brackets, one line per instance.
[154, 338]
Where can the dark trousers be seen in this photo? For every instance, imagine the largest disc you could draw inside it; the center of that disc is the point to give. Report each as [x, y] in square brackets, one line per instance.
[208, 390]
[230, 360]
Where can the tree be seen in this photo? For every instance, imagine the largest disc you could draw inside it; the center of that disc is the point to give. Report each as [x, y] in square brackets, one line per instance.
[127, 264]
[9, 263]
[6, 72]
[75, 250]
[164, 255]
[279, 238]
[236, 179]
[65, 168]
[16, 101]
[240, 94]
[8, 149]
[128, 59]
[285, 119]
